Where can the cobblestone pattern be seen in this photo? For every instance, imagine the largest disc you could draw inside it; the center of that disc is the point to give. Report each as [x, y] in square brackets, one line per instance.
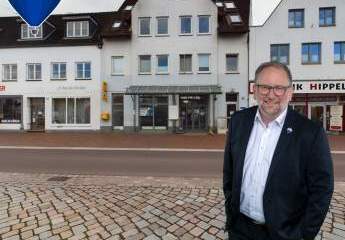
[123, 208]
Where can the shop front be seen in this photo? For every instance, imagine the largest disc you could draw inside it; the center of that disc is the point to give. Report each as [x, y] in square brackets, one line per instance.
[11, 112]
[194, 112]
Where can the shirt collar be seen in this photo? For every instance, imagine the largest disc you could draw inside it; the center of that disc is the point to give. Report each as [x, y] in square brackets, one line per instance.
[279, 120]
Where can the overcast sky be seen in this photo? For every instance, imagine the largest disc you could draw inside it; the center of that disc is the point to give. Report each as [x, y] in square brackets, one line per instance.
[261, 8]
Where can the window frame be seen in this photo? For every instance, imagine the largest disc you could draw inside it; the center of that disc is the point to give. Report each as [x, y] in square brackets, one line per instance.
[191, 65]
[209, 25]
[35, 72]
[28, 35]
[66, 123]
[74, 23]
[139, 64]
[309, 44]
[279, 46]
[157, 66]
[191, 25]
[59, 72]
[209, 63]
[342, 52]
[113, 73]
[237, 63]
[11, 79]
[333, 9]
[84, 71]
[294, 12]
[139, 27]
[157, 23]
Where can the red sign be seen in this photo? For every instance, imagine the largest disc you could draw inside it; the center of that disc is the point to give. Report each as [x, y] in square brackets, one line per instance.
[2, 88]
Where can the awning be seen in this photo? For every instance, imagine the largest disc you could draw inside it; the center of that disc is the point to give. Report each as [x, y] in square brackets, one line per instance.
[164, 90]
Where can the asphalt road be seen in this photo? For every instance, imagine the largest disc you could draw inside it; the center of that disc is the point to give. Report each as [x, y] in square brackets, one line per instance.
[124, 163]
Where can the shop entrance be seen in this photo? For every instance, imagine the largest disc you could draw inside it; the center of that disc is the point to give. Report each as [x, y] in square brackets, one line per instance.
[153, 112]
[194, 112]
[37, 114]
[317, 113]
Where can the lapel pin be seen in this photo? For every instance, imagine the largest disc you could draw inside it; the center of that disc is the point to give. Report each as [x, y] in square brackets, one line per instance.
[289, 130]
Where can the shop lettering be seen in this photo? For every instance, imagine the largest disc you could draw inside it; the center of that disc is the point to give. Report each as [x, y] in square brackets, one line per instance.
[297, 86]
[2, 88]
[327, 86]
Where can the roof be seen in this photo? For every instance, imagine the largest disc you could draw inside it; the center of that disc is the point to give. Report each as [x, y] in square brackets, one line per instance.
[163, 90]
[54, 30]
[225, 23]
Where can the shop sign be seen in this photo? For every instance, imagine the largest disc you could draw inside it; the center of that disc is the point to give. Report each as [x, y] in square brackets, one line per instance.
[2, 88]
[337, 111]
[192, 97]
[173, 112]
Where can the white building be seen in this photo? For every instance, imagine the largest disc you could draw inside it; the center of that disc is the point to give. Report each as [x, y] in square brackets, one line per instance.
[185, 66]
[309, 37]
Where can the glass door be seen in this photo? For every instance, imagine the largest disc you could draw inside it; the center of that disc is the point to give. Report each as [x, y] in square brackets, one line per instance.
[117, 111]
[37, 114]
[317, 114]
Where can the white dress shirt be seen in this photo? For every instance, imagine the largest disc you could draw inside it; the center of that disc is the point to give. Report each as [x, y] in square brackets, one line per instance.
[261, 146]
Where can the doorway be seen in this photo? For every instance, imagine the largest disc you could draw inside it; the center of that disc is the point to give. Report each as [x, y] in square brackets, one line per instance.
[194, 112]
[317, 113]
[37, 115]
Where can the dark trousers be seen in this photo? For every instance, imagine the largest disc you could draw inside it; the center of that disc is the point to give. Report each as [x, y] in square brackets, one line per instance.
[244, 228]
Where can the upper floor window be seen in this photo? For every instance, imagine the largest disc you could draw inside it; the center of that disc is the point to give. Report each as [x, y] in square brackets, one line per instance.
[231, 62]
[280, 53]
[34, 71]
[186, 25]
[9, 72]
[83, 70]
[327, 16]
[339, 52]
[162, 64]
[145, 64]
[78, 29]
[204, 24]
[185, 63]
[162, 25]
[58, 71]
[296, 18]
[144, 26]
[27, 33]
[117, 65]
[311, 53]
[204, 62]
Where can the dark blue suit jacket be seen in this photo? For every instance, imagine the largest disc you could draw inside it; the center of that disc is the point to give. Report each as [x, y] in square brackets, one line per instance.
[300, 181]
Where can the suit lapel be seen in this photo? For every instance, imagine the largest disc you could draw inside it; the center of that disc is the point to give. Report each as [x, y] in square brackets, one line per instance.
[283, 142]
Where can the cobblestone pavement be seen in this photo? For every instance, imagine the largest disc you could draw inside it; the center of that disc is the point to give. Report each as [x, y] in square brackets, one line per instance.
[90, 207]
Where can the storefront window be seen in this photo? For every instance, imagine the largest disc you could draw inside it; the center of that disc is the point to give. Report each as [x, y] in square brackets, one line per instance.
[154, 112]
[77, 110]
[10, 110]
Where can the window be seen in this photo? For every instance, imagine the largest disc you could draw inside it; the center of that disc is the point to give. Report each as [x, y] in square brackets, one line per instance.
[327, 17]
[231, 62]
[34, 72]
[145, 64]
[280, 53]
[162, 64]
[296, 18]
[78, 29]
[83, 70]
[27, 33]
[311, 53]
[234, 18]
[117, 65]
[185, 63]
[58, 71]
[162, 25]
[186, 25]
[9, 72]
[144, 26]
[204, 62]
[339, 52]
[204, 24]
[71, 111]
[10, 110]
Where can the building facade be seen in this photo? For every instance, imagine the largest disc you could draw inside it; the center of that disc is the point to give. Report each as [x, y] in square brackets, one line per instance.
[309, 37]
[184, 69]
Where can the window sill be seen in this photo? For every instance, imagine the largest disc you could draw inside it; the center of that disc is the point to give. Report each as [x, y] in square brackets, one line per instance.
[117, 74]
[339, 62]
[295, 27]
[162, 35]
[33, 80]
[311, 63]
[81, 37]
[9, 80]
[186, 34]
[232, 72]
[145, 73]
[58, 79]
[83, 79]
[204, 72]
[331, 25]
[145, 35]
[188, 73]
[162, 73]
[30, 39]
[204, 34]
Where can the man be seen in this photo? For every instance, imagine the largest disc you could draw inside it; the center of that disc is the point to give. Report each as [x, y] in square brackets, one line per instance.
[278, 173]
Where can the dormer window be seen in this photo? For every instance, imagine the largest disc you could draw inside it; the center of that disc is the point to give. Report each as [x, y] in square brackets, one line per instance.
[219, 4]
[129, 8]
[235, 19]
[116, 24]
[77, 29]
[229, 5]
[27, 33]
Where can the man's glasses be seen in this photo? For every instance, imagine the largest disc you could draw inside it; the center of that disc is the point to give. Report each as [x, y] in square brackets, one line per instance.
[277, 90]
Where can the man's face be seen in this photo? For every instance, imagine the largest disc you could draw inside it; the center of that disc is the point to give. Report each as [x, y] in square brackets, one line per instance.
[273, 102]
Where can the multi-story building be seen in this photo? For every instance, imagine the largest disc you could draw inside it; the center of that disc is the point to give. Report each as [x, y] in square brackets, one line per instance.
[309, 37]
[185, 66]
[50, 79]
